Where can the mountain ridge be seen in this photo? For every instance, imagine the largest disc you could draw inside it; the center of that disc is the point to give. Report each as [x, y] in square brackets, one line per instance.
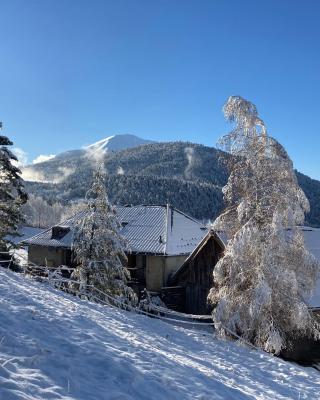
[187, 175]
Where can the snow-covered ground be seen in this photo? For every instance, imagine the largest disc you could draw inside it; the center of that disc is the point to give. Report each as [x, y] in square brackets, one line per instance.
[53, 346]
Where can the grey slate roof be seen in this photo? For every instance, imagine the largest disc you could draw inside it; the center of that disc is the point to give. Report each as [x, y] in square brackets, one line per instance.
[147, 229]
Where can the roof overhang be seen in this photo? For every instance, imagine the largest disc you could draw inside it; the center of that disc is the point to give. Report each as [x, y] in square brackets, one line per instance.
[210, 235]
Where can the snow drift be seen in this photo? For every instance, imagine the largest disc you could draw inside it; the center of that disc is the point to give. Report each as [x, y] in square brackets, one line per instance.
[54, 346]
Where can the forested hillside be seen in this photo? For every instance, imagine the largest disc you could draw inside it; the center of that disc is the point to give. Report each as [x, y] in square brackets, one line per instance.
[188, 176]
[311, 188]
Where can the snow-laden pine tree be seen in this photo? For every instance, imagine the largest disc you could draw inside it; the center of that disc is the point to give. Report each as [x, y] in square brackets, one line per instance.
[12, 194]
[98, 247]
[266, 272]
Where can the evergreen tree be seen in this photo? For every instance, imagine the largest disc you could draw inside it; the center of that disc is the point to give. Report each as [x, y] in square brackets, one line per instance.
[261, 282]
[99, 248]
[12, 194]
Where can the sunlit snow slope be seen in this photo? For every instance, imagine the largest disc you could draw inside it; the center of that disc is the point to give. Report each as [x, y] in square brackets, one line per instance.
[53, 346]
[118, 142]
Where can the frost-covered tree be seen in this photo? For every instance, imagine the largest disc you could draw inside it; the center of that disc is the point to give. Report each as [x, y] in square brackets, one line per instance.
[12, 194]
[266, 272]
[99, 248]
[73, 208]
[39, 213]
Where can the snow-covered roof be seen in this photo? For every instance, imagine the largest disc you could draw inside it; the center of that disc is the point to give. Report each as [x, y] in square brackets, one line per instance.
[147, 229]
[210, 234]
[25, 233]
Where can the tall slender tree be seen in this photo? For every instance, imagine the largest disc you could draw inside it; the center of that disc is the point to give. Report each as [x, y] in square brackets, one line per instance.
[99, 248]
[266, 273]
[12, 194]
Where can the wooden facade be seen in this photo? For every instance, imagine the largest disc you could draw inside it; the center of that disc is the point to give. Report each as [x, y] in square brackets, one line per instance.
[195, 274]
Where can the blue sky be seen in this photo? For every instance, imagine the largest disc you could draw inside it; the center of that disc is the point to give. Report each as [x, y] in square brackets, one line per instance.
[75, 71]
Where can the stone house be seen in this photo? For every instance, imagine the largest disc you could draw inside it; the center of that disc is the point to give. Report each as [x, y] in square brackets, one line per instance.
[159, 238]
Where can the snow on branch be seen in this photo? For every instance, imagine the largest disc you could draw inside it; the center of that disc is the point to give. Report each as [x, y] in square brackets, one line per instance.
[99, 248]
[266, 272]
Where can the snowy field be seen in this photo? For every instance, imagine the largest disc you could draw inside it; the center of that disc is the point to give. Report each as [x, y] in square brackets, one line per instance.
[53, 346]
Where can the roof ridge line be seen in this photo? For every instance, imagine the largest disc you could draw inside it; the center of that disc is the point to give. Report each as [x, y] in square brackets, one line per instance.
[186, 215]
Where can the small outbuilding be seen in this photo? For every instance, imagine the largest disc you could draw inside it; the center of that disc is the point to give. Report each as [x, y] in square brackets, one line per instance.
[189, 286]
[194, 278]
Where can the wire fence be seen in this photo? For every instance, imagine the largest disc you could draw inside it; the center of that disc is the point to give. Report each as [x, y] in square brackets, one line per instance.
[54, 276]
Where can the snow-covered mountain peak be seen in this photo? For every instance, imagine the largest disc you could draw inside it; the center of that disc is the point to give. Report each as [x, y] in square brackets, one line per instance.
[117, 143]
[101, 144]
[57, 168]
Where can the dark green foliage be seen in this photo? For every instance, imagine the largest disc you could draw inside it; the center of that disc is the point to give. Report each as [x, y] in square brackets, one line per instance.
[12, 194]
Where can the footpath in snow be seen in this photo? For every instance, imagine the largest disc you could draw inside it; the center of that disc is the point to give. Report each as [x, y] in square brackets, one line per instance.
[54, 346]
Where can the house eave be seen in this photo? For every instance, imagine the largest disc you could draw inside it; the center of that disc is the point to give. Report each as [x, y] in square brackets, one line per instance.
[134, 252]
[201, 244]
